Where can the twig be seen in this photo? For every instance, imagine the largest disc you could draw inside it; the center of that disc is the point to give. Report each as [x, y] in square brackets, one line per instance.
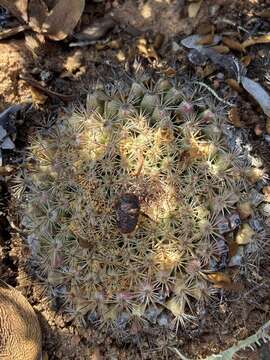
[51, 93]
[13, 31]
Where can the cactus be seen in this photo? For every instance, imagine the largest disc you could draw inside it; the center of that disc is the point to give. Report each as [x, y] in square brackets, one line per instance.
[126, 203]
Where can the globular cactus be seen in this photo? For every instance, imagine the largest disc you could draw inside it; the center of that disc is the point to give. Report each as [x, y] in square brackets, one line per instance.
[20, 334]
[127, 203]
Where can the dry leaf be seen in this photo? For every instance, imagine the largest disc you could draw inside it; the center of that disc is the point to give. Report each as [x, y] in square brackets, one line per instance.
[4, 34]
[37, 97]
[37, 12]
[191, 42]
[96, 30]
[206, 40]
[170, 72]
[17, 8]
[63, 18]
[258, 92]
[219, 279]
[233, 247]
[221, 49]
[233, 44]
[223, 281]
[194, 8]
[256, 40]
[234, 85]
[234, 117]
[246, 60]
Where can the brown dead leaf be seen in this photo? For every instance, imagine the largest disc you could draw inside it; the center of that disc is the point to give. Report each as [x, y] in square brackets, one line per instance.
[38, 97]
[219, 278]
[256, 40]
[205, 28]
[17, 8]
[221, 49]
[246, 60]
[234, 85]
[233, 247]
[63, 18]
[233, 44]
[6, 170]
[206, 40]
[194, 8]
[170, 72]
[96, 30]
[224, 281]
[235, 118]
[37, 12]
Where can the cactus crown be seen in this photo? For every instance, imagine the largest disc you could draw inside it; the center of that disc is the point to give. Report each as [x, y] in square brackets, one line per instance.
[127, 204]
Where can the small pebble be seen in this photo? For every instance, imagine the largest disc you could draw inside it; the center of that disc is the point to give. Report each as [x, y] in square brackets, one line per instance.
[244, 235]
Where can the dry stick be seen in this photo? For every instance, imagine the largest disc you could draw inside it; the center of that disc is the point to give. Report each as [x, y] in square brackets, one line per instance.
[51, 93]
[13, 31]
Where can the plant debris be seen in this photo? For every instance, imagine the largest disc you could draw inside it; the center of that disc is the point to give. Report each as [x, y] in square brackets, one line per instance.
[51, 93]
[62, 19]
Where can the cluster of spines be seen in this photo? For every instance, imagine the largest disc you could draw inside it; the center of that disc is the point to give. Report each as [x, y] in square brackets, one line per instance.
[173, 156]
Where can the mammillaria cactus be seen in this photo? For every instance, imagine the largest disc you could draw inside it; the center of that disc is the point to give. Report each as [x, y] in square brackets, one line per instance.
[128, 203]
